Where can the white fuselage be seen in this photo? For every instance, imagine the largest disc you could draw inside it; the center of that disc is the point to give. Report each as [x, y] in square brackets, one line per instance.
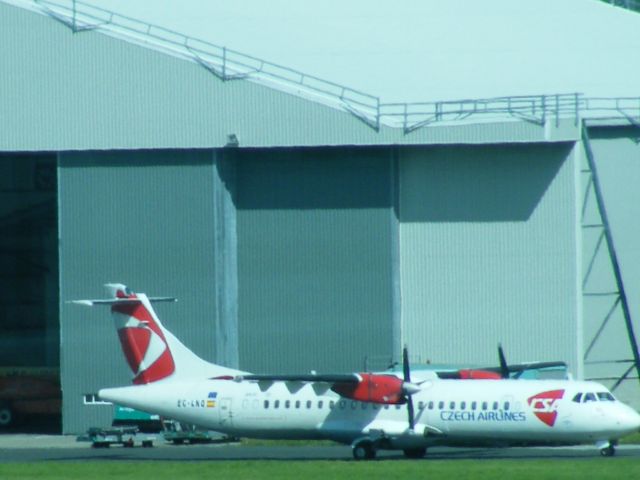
[447, 412]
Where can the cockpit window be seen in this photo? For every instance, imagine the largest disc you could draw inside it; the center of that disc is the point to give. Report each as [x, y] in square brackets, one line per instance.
[605, 397]
[589, 397]
[577, 397]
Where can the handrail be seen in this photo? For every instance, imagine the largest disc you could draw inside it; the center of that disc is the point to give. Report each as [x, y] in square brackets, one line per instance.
[228, 64]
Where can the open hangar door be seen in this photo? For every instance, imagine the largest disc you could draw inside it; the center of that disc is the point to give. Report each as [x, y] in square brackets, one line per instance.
[29, 330]
[148, 219]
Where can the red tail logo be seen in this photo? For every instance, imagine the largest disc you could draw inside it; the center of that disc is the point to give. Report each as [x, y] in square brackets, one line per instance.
[143, 342]
[545, 405]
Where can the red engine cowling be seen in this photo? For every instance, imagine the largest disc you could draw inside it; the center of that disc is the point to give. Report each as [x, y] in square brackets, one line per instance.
[479, 375]
[383, 389]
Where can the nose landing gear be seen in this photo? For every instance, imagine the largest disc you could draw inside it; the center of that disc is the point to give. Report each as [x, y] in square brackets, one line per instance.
[607, 447]
[609, 451]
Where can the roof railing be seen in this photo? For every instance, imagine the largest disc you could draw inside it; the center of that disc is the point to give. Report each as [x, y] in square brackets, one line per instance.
[227, 65]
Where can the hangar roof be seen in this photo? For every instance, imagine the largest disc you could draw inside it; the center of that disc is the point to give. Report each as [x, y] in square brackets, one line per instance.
[357, 59]
[424, 50]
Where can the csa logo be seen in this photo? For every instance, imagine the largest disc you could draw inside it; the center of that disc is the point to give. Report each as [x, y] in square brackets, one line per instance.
[545, 405]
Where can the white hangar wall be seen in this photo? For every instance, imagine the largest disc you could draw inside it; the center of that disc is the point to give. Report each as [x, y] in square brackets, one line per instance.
[488, 252]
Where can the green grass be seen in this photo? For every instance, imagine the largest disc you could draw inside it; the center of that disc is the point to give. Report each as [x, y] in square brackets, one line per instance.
[557, 469]
[635, 438]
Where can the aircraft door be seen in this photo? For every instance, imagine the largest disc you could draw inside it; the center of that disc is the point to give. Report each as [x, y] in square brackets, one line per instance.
[225, 413]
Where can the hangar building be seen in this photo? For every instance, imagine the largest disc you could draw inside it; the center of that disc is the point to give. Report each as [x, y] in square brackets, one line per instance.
[303, 224]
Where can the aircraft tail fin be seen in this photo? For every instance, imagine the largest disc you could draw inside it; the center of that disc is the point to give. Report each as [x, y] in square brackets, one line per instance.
[152, 352]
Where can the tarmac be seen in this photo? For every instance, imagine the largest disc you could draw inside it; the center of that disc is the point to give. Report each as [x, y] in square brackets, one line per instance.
[37, 448]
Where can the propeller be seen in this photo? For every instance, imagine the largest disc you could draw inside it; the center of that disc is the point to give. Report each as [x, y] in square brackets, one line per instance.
[504, 368]
[407, 387]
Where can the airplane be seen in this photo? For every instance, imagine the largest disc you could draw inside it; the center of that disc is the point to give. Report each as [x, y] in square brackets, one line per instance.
[369, 411]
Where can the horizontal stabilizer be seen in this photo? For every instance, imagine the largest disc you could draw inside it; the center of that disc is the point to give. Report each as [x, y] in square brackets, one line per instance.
[120, 301]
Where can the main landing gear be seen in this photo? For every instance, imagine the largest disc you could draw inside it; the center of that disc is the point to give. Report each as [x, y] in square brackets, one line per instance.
[366, 450]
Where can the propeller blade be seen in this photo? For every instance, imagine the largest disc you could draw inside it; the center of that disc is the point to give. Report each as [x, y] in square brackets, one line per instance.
[504, 368]
[405, 365]
[412, 422]
[407, 387]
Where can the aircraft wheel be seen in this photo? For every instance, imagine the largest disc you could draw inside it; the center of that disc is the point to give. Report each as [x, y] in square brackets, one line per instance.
[415, 452]
[609, 451]
[364, 451]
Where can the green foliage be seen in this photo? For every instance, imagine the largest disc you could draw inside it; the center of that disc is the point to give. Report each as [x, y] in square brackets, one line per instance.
[635, 438]
[523, 469]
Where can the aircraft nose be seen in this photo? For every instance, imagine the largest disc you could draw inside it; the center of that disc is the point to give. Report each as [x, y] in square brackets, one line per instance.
[629, 419]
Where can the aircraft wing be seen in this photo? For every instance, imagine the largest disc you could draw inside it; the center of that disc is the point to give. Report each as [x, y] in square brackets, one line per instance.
[519, 367]
[366, 387]
[496, 372]
[350, 378]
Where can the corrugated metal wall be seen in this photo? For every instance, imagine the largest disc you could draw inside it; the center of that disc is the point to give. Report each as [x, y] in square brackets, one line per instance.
[487, 239]
[616, 154]
[315, 234]
[145, 219]
[88, 91]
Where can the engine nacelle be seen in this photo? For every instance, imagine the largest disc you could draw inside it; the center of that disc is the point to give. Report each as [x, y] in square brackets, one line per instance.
[470, 374]
[374, 388]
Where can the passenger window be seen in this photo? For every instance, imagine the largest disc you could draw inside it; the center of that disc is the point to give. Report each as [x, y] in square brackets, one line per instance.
[495, 405]
[287, 404]
[463, 405]
[342, 404]
[506, 406]
[440, 405]
[332, 404]
[421, 405]
[320, 404]
[375, 406]
[430, 406]
[474, 405]
[577, 397]
[397, 407]
[386, 407]
[589, 397]
[276, 404]
[266, 404]
[606, 397]
[452, 405]
[297, 403]
[354, 405]
[363, 406]
[308, 403]
[484, 405]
